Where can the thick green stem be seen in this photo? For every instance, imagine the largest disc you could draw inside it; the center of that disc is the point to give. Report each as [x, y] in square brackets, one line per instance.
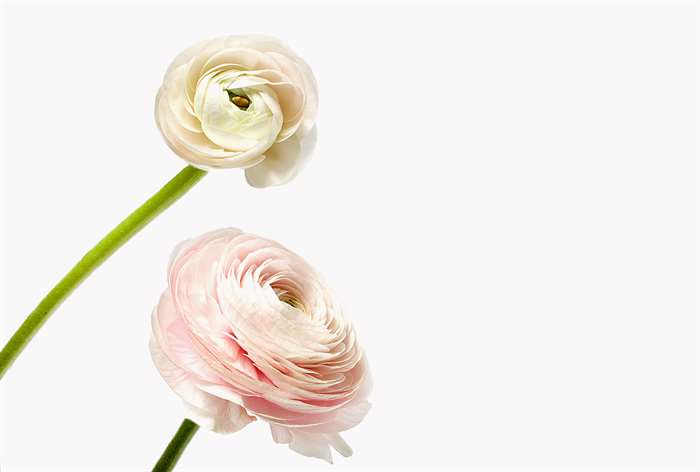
[176, 446]
[131, 225]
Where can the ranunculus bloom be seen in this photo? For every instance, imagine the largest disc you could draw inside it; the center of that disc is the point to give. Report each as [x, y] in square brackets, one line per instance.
[245, 329]
[240, 101]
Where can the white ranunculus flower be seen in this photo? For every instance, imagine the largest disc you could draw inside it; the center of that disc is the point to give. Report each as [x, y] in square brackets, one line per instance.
[240, 101]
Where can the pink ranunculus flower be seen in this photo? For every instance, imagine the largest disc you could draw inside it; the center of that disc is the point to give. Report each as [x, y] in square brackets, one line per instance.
[247, 329]
[244, 101]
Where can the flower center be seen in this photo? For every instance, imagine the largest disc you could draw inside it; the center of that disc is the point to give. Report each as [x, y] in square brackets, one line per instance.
[238, 118]
[240, 101]
[291, 301]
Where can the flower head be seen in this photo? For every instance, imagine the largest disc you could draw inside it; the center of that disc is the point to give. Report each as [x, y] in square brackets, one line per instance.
[240, 101]
[247, 329]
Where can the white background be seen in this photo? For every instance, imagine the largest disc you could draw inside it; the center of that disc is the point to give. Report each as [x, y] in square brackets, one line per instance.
[504, 196]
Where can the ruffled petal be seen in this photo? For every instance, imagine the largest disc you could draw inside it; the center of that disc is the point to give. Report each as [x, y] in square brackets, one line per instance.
[283, 161]
[221, 416]
[310, 444]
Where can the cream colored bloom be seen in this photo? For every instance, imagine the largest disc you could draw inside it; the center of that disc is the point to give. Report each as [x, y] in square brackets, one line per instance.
[240, 101]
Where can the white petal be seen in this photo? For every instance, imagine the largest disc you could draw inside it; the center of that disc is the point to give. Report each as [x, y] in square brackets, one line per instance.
[339, 444]
[283, 161]
[280, 434]
[221, 417]
[310, 444]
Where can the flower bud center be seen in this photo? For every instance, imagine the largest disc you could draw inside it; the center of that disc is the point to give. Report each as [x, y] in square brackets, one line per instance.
[291, 301]
[239, 100]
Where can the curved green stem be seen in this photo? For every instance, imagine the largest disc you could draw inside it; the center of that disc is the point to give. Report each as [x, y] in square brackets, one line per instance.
[132, 224]
[176, 446]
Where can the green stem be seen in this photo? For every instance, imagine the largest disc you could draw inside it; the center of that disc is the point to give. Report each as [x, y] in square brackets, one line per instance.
[176, 446]
[132, 224]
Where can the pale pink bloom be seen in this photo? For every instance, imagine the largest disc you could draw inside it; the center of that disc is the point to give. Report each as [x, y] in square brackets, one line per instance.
[246, 329]
[240, 101]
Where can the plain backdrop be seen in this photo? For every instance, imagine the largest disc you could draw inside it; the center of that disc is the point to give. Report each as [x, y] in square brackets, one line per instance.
[504, 196]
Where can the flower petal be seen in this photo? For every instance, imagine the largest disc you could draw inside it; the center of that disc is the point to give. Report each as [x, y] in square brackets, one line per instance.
[283, 161]
[310, 444]
[222, 416]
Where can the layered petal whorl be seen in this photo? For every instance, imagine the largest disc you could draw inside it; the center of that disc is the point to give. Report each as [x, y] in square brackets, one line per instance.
[247, 329]
[235, 101]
